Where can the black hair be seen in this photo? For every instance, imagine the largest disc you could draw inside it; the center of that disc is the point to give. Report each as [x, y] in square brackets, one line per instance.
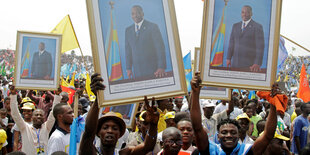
[186, 120]
[250, 101]
[58, 109]
[303, 106]
[180, 116]
[228, 121]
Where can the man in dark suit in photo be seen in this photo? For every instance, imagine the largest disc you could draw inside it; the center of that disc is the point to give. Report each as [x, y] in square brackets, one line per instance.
[246, 44]
[41, 66]
[145, 49]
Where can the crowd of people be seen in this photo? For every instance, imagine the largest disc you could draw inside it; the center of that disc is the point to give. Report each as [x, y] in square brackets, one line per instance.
[290, 69]
[39, 122]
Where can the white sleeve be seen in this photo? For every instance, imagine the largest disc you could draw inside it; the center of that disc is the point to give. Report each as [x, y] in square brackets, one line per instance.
[51, 120]
[19, 121]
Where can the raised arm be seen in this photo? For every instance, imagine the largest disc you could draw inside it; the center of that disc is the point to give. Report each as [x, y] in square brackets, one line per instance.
[152, 117]
[262, 142]
[33, 98]
[51, 119]
[200, 134]
[14, 110]
[86, 145]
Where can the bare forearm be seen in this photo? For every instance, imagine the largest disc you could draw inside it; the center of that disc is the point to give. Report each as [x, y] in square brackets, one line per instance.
[91, 120]
[297, 142]
[271, 122]
[195, 112]
[150, 140]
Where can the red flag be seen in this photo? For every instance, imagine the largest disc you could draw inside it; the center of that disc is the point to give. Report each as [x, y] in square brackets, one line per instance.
[304, 90]
[70, 93]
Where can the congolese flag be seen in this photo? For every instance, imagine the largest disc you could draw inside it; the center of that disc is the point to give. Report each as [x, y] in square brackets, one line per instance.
[218, 38]
[112, 51]
[188, 70]
[25, 63]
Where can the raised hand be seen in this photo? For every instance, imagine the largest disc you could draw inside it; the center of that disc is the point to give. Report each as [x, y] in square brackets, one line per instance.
[275, 90]
[96, 83]
[195, 82]
[152, 116]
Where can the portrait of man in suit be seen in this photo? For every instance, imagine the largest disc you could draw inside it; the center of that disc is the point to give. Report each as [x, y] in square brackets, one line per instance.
[246, 44]
[144, 47]
[41, 66]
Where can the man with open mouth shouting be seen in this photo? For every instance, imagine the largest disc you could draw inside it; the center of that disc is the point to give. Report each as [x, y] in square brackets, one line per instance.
[109, 128]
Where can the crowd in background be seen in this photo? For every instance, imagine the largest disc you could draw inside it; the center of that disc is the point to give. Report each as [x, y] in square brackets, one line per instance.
[40, 122]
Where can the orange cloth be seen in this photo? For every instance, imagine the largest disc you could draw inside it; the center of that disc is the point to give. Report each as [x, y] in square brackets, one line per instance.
[304, 90]
[279, 101]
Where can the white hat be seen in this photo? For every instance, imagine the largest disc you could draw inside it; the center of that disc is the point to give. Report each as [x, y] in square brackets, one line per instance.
[207, 103]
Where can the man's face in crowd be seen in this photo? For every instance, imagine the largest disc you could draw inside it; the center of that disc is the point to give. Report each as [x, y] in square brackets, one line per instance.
[275, 147]
[244, 124]
[208, 111]
[41, 46]
[187, 131]
[7, 104]
[249, 112]
[178, 102]
[173, 143]
[27, 113]
[38, 117]
[109, 133]
[228, 136]
[246, 14]
[67, 116]
[137, 14]
[3, 114]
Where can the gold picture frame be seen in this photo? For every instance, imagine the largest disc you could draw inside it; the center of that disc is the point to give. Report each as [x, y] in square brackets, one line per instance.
[216, 93]
[224, 59]
[128, 112]
[33, 69]
[108, 16]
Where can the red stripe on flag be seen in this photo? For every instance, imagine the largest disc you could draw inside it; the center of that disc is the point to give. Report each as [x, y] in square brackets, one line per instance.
[25, 73]
[116, 72]
[218, 59]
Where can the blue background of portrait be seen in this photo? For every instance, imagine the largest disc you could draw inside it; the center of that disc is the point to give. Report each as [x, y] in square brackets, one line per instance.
[261, 10]
[153, 12]
[50, 46]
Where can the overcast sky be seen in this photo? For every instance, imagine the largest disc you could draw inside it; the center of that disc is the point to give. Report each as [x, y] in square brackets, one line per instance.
[44, 15]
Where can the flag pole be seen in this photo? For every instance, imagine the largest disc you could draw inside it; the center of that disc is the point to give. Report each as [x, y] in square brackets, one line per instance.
[295, 43]
[77, 43]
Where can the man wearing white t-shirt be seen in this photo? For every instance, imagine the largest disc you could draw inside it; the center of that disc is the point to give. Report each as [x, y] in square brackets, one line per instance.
[221, 107]
[60, 138]
[34, 136]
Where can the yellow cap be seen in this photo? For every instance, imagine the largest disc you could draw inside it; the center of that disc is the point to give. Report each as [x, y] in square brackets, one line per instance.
[170, 114]
[3, 137]
[278, 135]
[26, 100]
[28, 106]
[118, 115]
[244, 115]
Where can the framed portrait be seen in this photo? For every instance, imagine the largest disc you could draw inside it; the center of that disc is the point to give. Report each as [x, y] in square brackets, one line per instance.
[208, 92]
[127, 111]
[136, 49]
[239, 45]
[37, 60]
